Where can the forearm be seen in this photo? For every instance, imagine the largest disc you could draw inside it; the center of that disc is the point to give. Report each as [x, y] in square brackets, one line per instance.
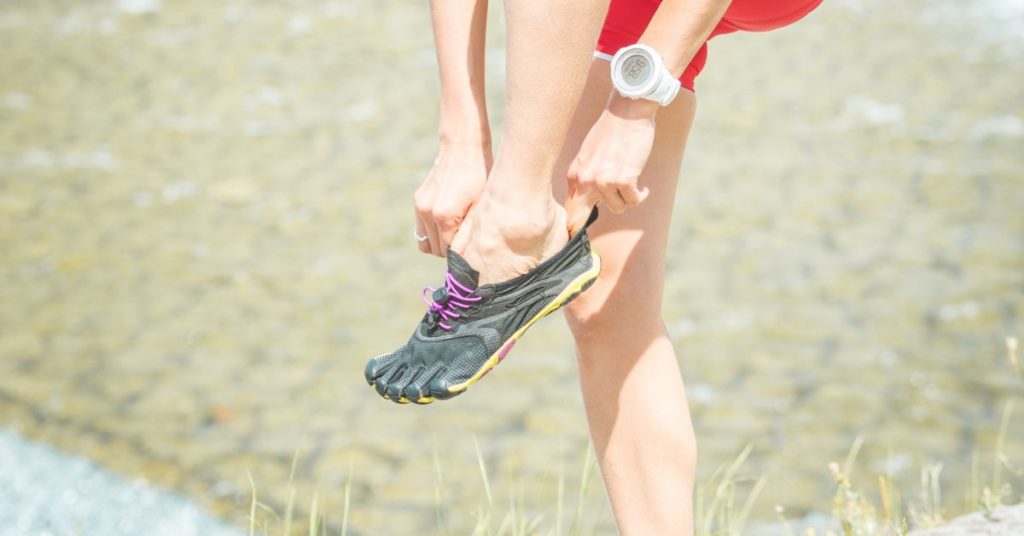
[680, 27]
[550, 45]
[459, 34]
[677, 31]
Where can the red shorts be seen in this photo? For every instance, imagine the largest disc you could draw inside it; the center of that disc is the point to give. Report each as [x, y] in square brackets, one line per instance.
[627, 20]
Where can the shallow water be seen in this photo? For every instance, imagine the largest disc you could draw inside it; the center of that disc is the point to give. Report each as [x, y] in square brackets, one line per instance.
[205, 213]
[46, 492]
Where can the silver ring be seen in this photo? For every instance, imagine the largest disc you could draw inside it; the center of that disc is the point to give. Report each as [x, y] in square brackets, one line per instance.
[418, 237]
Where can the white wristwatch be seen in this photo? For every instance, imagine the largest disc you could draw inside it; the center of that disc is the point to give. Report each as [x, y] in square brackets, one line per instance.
[638, 72]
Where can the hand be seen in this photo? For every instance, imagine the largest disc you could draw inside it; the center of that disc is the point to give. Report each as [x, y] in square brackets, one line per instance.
[610, 161]
[450, 189]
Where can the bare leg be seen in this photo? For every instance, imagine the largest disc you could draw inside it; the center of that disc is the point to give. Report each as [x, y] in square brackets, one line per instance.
[632, 388]
[516, 223]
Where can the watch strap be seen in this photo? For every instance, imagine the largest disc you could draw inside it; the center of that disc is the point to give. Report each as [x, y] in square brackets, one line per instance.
[667, 89]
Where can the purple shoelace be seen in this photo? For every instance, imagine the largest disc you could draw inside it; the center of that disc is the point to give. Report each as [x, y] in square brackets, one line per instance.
[457, 296]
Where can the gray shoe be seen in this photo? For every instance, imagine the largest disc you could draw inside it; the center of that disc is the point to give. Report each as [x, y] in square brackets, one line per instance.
[469, 329]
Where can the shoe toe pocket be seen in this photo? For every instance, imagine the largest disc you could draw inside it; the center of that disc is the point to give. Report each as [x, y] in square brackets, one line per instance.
[371, 371]
[382, 388]
[394, 392]
[439, 388]
[412, 392]
[381, 366]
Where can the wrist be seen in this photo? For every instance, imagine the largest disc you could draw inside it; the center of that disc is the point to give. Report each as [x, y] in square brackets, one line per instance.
[627, 108]
[465, 140]
[464, 134]
[464, 124]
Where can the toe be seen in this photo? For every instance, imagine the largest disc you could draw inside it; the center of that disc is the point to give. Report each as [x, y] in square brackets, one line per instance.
[440, 388]
[370, 372]
[394, 392]
[402, 389]
[418, 385]
[381, 366]
[381, 388]
[412, 392]
[397, 381]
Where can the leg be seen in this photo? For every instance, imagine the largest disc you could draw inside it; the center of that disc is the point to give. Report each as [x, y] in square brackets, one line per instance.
[516, 223]
[632, 389]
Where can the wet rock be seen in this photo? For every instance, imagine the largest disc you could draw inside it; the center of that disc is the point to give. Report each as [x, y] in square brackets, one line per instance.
[1005, 521]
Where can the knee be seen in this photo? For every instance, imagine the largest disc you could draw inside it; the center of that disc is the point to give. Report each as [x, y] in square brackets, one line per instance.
[604, 315]
[623, 307]
[588, 314]
[584, 320]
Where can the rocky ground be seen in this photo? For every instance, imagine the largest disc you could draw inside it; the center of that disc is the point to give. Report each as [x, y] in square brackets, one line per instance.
[1006, 521]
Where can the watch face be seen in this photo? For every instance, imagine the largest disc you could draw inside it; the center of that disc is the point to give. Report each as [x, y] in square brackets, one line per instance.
[636, 71]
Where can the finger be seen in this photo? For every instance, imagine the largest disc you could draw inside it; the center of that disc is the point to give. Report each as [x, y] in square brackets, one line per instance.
[423, 245]
[422, 203]
[580, 198]
[573, 175]
[442, 242]
[632, 195]
[447, 225]
[612, 199]
[429, 230]
[578, 205]
[435, 244]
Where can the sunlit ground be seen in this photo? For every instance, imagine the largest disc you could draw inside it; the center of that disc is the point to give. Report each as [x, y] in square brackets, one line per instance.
[205, 215]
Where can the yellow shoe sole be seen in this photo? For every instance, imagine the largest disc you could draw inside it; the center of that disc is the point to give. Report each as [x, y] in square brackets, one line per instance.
[578, 285]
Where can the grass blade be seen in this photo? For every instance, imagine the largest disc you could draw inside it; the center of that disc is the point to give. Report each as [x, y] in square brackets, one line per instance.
[314, 515]
[483, 472]
[561, 499]
[588, 460]
[348, 501]
[852, 456]
[252, 505]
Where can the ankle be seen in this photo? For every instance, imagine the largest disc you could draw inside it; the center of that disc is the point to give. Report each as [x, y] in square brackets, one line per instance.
[519, 187]
[522, 223]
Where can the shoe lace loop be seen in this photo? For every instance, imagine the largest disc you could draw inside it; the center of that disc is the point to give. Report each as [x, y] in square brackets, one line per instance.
[444, 303]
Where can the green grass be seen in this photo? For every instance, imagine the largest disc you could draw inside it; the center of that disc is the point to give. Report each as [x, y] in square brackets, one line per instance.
[722, 503]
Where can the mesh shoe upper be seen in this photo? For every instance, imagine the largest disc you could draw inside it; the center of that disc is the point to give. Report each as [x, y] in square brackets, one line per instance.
[466, 324]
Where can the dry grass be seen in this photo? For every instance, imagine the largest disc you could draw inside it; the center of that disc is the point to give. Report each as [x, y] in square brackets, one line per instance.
[721, 506]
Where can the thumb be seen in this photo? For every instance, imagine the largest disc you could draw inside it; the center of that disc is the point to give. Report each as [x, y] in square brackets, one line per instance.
[578, 205]
[447, 226]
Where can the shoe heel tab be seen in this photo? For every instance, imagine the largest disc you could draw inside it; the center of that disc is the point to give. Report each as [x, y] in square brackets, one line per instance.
[590, 220]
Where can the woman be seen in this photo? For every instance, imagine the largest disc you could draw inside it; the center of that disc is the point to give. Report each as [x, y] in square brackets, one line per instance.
[505, 218]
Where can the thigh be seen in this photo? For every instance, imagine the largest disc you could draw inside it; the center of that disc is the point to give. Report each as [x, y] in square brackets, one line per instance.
[632, 245]
[592, 103]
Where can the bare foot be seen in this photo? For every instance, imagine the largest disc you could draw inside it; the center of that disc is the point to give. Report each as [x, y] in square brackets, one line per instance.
[504, 240]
